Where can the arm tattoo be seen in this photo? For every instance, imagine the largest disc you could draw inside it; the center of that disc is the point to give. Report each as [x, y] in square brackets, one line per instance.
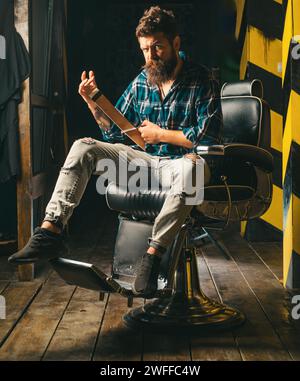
[102, 120]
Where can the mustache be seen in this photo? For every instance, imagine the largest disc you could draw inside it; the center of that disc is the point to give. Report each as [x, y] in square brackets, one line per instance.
[154, 64]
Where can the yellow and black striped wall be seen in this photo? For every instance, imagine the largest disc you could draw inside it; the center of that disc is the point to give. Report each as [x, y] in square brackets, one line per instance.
[265, 30]
[291, 142]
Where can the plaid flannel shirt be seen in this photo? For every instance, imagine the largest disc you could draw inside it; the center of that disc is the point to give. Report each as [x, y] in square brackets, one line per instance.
[192, 106]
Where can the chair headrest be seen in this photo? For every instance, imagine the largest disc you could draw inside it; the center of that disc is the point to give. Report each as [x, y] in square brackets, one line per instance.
[242, 88]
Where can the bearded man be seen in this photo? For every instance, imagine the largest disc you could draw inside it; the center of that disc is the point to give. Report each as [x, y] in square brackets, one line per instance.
[175, 106]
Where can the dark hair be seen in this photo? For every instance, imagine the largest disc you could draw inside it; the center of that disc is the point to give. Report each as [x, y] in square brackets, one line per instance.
[155, 20]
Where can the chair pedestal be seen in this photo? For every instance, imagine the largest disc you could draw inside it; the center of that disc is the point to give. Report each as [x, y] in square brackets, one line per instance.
[188, 307]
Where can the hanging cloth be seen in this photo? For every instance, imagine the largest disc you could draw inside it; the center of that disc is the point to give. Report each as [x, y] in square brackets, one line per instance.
[14, 69]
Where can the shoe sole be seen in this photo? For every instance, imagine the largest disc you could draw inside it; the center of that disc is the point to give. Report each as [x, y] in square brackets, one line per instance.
[42, 258]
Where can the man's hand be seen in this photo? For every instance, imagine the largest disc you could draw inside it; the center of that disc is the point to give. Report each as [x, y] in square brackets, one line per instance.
[87, 85]
[150, 132]
[153, 134]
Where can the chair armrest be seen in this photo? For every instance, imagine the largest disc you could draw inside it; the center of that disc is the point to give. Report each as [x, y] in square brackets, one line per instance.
[210, 150]
[257, 156]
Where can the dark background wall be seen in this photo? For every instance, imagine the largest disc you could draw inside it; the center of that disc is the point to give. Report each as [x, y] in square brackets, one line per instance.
[101, 37]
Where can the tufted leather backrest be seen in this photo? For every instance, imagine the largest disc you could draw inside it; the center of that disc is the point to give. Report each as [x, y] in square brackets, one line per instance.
[246, 116]
[246, 119]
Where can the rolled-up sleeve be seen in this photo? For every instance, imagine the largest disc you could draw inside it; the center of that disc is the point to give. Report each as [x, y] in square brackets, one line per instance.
[126, 104]
[208, 116]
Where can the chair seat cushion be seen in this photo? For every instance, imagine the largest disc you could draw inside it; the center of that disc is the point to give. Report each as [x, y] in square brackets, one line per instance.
[147, 204]
[143, 205]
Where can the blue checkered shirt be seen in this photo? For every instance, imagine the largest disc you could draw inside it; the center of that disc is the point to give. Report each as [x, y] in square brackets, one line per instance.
[192, 106]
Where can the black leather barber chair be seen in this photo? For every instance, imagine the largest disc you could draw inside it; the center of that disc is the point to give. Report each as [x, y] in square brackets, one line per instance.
[240, 189]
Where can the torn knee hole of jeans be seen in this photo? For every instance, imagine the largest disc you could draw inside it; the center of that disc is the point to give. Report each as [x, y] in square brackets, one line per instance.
[88, 140]
[180, 195]
[65, 170]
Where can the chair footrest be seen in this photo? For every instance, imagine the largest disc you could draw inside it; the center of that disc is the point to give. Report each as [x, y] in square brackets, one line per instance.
[88, 276]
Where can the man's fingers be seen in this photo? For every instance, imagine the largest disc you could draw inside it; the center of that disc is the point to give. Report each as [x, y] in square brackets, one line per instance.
[83, 75]
[89, 81]
[85, 83]
[81, 86]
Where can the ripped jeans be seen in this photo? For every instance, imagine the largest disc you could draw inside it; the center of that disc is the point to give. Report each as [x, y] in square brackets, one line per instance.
[82, 161]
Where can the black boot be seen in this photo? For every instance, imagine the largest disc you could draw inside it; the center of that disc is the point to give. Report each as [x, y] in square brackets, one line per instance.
[145, 284]
[43, 244]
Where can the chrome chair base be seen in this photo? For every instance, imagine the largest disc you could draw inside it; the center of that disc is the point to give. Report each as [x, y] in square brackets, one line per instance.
[178, 312]
[187, 307]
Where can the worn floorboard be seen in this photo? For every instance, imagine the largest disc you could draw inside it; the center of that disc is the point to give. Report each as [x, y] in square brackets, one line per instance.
[75, 336]
[271, 254]
[236, 292]
[212, 347]
[273, 298]
[30, 338]
[18, 297]
[49, 320]
[3, 285]
[166, 347]
[115, 341]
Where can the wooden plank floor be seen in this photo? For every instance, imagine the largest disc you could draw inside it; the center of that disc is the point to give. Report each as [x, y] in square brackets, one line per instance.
[49, 320]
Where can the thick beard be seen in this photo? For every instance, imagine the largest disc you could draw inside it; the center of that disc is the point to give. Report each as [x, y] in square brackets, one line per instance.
[159, 71]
